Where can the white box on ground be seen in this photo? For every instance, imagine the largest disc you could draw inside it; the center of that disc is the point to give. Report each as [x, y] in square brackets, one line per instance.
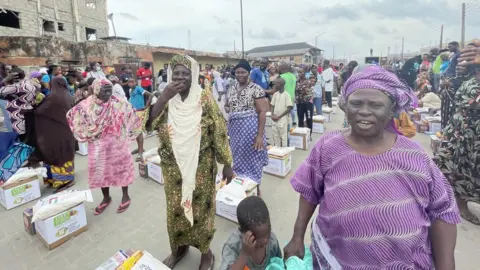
[58, 229]
[334, 107]
[327, 113]
[300, 138]
[154, 170]
[279, 164]
[21, 192]
[229, 196]
[269, 121]
[82, 149]
[434, 124]
[147, 261]
[317, 126]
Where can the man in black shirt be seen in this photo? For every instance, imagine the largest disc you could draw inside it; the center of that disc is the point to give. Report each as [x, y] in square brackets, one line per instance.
[126, 75]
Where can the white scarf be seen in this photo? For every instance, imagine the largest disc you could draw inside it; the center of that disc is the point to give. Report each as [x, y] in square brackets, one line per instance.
[184, 121]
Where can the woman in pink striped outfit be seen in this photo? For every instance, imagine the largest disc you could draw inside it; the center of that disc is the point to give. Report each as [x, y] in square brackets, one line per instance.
[108, 124]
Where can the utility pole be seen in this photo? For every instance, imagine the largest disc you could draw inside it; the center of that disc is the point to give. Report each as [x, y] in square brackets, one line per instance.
[241, 18]
[403, 45]
[462, 43]
[189, 40]
[441, 37]
[388, 54]
[333, 54]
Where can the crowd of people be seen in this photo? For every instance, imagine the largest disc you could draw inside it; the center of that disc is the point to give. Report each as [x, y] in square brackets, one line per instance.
[383, 202]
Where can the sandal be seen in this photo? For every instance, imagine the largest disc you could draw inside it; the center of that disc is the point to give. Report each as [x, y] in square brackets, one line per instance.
[177, 259]
[99, 209]
[64, 187]
[124, 206]
[470, 218]
[139, 158]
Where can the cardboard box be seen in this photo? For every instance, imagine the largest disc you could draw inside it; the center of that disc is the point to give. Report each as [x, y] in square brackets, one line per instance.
[83, 149]
[421, 127]
[434, 126]
[143, 169]
[279, 166]
[155, 172]
[269, 121]
[327, 113]
[318, 126]
[147, 261]
[435, 143]
[226, 203]
[21, 192]
[56, 230]
[334, 107]
[27, 221]
[299, 141]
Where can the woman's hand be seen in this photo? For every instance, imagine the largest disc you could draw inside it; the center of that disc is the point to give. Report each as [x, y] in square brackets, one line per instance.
[171, 90]
[258, 143]
[227, 173]
[10, 77]
[295, 247]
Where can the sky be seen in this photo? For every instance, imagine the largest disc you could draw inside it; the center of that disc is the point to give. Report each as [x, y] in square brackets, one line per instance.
[345, 28]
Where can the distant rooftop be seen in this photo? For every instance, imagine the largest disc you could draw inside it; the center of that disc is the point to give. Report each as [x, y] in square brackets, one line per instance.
[283, 47]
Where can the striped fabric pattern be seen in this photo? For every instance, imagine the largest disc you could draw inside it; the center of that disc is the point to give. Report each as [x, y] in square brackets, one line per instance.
[375, 211]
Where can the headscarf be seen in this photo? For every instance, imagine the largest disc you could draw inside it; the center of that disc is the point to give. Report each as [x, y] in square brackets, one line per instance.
[243, 64]
[184, 120]
[57, 103]
[92, 118]
[35, 74]
[376, 77]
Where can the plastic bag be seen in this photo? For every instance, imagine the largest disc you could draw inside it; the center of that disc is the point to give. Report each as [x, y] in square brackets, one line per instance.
[57, 203]
[24, 173]
[293, 263]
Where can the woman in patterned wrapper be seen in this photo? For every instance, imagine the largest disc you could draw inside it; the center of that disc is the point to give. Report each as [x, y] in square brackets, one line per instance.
[383, 203]
[192, 140]
[247, 106]
[108, 124]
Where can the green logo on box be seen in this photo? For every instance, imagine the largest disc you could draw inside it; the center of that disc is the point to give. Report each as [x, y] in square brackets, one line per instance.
[60, 219]
[18, 190]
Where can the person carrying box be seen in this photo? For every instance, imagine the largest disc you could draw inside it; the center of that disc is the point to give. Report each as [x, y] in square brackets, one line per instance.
[281, 106]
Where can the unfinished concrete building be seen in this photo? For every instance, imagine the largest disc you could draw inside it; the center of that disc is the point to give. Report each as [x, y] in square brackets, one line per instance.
[73, 20]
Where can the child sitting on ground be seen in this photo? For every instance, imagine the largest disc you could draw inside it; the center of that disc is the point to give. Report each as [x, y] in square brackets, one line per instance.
[281, 106]
[253, 245]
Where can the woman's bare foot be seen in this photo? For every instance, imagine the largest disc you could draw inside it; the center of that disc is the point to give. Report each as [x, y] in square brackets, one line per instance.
[207, 262]
[173, 259]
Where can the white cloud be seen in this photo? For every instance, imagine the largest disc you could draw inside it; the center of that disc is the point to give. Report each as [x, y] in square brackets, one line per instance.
[353, 27]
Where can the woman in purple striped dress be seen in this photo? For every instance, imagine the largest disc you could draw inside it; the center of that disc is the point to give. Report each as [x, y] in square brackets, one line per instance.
[383, 204]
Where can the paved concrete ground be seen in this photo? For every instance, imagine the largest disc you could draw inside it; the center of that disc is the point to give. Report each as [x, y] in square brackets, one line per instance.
[143, 226]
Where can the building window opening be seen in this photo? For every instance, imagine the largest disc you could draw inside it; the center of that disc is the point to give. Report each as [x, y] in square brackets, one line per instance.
[91, 4]
[48, 26]
[91, 33]
[61, 27]
[9, 18]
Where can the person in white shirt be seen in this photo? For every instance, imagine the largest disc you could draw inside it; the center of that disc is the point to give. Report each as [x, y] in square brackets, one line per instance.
[281, 106]
[328, 78]
[117, 88]
[163, 82]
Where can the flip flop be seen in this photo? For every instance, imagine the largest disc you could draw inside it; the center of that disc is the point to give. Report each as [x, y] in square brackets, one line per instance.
[124, 206]
[139, 157]
[64, 187]
[178, 259]
[99, 209]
